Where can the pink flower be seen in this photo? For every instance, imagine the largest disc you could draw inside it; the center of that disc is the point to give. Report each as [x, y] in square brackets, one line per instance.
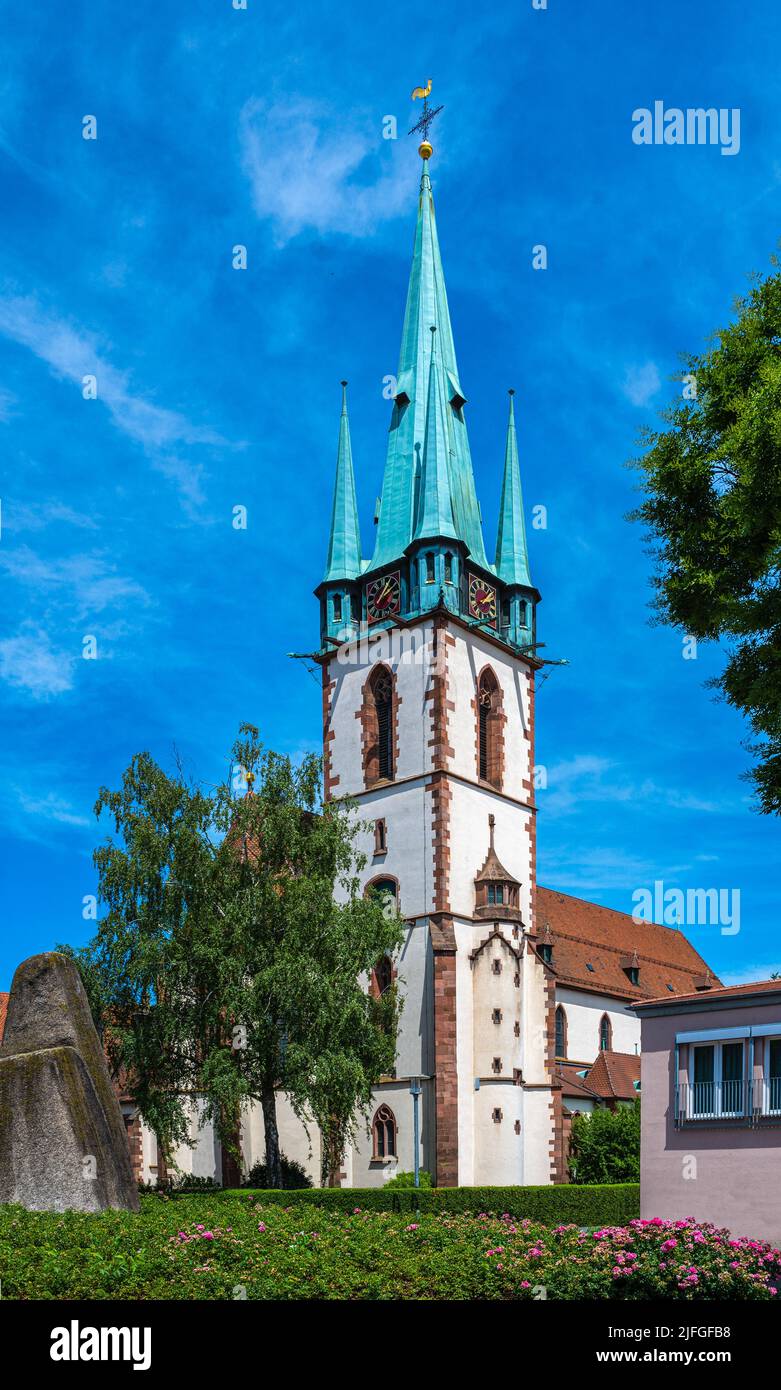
[261, 1227]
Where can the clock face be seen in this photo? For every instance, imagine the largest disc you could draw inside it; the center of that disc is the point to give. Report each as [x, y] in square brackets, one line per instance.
[383, 597]
[482, 600]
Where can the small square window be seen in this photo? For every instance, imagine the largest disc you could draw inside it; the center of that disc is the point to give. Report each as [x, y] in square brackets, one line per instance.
[497, 1016]
[517, 1126]
[497, 1116]
[496, 966]
[496, 1065]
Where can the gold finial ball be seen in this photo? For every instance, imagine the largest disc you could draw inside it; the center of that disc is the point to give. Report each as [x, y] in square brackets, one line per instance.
[425, 150]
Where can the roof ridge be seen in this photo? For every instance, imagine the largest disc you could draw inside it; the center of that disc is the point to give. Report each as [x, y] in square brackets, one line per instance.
[604, 908]
[621, 950]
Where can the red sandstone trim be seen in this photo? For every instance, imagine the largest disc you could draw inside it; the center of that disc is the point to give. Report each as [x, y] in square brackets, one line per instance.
[329, 781]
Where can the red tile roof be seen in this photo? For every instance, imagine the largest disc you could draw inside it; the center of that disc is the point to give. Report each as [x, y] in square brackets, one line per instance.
[720, 994]
[584, 934]
[3, 1012]
[572, 1082]
[613, 1075]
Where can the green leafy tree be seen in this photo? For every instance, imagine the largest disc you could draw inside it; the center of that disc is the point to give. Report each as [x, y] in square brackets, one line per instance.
[605, 1145]
[712, 480]
[229, 962]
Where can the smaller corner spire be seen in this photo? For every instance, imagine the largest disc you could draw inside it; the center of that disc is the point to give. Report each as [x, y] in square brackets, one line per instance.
[512, 555]
[344, 545]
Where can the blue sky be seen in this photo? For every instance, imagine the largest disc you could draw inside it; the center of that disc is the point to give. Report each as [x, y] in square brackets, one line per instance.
[219, 388]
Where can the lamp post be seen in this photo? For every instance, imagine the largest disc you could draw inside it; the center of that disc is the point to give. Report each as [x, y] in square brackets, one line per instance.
[414, 1091]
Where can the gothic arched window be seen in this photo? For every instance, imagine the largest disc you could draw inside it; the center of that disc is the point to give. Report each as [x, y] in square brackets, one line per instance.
[378, 726]
[489, 728]
[384, 1133]
[387, 890]
[561, 1032]
[383, 974]
[605, 1034]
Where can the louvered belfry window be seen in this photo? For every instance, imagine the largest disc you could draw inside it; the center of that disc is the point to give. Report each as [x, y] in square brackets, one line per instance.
[383, 703]
[487, 702]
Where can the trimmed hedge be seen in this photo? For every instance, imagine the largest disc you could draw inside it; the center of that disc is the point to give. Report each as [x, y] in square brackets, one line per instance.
[609, 1204]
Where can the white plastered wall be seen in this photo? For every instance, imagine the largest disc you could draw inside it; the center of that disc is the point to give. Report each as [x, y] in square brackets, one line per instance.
[584, 1012]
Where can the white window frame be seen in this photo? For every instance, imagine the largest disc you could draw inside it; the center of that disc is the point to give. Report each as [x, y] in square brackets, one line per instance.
[717, 1111]
[767, 1107]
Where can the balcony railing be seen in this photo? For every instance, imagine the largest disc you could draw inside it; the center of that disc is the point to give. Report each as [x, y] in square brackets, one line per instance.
[749, 1102]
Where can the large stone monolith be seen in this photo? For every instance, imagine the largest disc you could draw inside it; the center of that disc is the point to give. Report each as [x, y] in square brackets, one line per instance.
[62, 1138]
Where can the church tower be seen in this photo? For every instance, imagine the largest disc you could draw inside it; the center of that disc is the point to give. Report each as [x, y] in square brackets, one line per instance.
[428, 657]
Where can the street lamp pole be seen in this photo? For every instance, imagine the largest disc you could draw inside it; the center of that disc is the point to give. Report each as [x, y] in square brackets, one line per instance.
[414, 1090]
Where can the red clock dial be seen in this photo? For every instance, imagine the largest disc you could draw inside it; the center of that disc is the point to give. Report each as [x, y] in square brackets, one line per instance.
[383, 597]
[482, 600]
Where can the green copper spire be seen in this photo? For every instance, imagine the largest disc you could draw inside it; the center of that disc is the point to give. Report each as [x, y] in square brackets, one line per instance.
[435, 513]
[426, 306]
[344, 546]
[512, 556]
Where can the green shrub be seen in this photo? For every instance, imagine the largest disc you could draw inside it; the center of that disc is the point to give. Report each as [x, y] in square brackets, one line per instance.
[180, 1183]
[606, 1205]
[408, 1180]
[605, 1146]
[209, 1247]
[294, 1175]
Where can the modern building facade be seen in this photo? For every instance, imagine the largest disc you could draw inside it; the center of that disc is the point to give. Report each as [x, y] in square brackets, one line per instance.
[711, 1114]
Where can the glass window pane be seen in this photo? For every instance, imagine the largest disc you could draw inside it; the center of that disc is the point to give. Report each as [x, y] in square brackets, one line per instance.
[774, 1058]
[732, 1061]
[703, 1063]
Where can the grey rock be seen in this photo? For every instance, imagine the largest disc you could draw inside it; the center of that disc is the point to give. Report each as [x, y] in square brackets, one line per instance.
[62, 1138]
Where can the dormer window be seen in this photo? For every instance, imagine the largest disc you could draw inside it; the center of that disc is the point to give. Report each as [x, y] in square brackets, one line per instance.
[634, 974]
[546, 952]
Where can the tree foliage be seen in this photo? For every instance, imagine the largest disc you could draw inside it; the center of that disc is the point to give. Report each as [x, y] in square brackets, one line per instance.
[229, 961]
[712, 480]
[605, 1145]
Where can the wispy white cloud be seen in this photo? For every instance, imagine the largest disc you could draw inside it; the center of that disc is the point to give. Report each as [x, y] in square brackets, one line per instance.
[52, 808]
[304, 170]
[588, 779]
[30, 663]
[71, 354]
[89, 582]
[21, 516]
[641, 383]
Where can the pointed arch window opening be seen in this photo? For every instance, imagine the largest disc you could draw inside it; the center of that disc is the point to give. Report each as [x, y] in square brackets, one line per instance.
[430, 568]
[605, 1034]
[382, 702]
[488, 728]
[561, 1032]
[384, 1131]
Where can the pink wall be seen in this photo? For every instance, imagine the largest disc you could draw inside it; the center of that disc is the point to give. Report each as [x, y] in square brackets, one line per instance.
[728, 1174]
